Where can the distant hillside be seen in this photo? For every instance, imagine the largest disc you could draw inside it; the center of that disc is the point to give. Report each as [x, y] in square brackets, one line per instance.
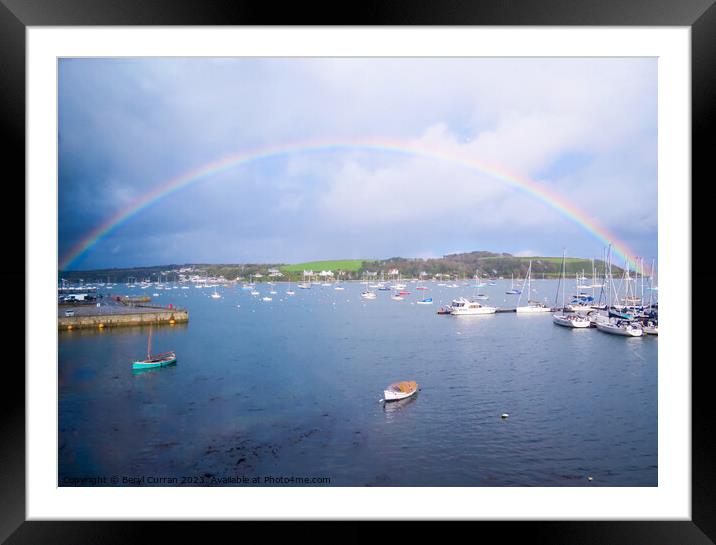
[487, 264]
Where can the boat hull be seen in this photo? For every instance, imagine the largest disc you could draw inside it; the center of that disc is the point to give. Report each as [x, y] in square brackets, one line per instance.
[390, 395]
[623, 331]
[153, 364]
[565, 321]
[474, 311]
[533, 310]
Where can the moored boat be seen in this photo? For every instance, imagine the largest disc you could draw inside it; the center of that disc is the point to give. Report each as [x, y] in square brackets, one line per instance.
[465, 307]
[158, 360]
[650, 328]
[573, 320]
[400, 390]
[533, 307]
[568, 319]
[620, 327]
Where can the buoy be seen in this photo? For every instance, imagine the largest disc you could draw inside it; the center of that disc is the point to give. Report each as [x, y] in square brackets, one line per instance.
[101, 326]
[69, 328]
[171, 321]
[589, 478]
[504, 415]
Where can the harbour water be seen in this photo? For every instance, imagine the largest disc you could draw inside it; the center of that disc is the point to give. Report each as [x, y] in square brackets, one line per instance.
[291, 388]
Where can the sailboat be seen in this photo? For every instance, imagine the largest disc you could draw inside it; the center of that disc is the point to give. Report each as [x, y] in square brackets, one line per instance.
[532, 306]
[160, 360]
[572, 320]
[215, 295]
[512, 290]
[478, 284]
[625, 328]
[289, 291]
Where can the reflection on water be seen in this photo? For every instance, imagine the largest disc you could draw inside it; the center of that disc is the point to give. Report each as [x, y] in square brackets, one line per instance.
[391, 407]
[291, 387]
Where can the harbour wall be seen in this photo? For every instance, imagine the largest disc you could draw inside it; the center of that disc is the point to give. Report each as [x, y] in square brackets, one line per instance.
[159, 317]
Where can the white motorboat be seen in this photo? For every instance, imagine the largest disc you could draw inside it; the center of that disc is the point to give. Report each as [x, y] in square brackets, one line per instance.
[400, 390]
[620, 327]
[368, 295]
[465, 307]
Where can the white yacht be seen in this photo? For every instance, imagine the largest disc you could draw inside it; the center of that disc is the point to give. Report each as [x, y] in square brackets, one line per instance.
[620, 327]
[532, 306]
[465, 307]
[574, 320]
[569, 319]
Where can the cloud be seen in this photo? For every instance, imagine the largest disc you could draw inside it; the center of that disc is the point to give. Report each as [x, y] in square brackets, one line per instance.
[584, 129]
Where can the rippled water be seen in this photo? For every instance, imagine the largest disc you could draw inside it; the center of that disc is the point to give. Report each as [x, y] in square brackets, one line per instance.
[291, 387]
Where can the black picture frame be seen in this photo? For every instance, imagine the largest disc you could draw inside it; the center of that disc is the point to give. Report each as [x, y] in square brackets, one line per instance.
[16, 15]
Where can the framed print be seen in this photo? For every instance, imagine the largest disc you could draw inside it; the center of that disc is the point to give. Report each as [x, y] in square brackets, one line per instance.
[405, 270]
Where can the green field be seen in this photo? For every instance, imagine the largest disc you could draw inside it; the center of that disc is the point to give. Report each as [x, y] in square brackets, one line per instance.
[337, 265]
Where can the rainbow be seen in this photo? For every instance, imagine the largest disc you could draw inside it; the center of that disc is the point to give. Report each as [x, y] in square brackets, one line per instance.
[196, 175]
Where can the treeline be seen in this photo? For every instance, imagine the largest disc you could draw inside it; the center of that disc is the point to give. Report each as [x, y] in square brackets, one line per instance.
[486, 264]
[489, 265]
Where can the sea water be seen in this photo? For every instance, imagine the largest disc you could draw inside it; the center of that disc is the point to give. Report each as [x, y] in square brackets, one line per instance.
[288, 392]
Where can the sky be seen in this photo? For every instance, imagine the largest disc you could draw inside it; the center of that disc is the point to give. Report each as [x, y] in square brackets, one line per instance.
[583, 129]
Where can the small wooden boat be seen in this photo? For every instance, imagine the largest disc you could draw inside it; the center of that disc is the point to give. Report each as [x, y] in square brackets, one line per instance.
[400, 390]
[159, 360]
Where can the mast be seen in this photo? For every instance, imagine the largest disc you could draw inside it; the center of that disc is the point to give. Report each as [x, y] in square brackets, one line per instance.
[529, 283]
[559, 281]
[564, 273]
[149, 343]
